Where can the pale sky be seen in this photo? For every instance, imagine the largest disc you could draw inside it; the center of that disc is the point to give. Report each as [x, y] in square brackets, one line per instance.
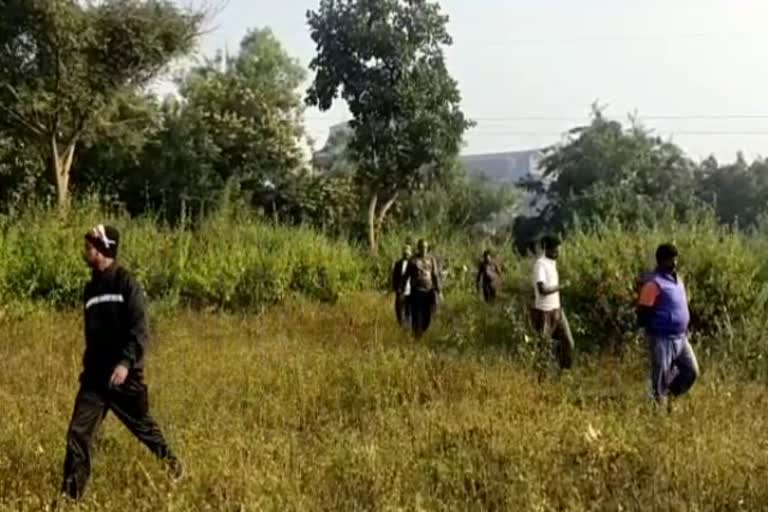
[694, 70]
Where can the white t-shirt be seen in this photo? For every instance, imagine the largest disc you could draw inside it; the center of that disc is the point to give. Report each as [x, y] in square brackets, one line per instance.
[545, 271]
[407, 288]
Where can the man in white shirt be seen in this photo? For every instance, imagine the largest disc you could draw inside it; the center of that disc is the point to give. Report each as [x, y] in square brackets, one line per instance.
[547, 315]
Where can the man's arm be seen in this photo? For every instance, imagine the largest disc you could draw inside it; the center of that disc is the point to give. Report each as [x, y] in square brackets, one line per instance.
[548, 290]
[136, 317]
[436, 277]
[395, 278]
[646, 302]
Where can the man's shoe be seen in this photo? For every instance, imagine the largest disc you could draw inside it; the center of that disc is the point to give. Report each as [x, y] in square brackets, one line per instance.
[175, 470]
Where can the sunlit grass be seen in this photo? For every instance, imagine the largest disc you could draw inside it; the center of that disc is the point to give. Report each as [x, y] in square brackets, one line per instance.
[313, 407]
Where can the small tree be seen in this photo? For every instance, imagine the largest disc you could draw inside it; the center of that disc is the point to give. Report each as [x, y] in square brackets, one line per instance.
[64, 62]
[385, 59]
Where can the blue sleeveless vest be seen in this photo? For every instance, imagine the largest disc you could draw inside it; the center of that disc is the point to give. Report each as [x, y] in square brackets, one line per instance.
[670, 314]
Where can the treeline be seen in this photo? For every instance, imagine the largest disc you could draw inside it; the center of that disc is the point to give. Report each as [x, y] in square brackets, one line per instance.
[624, 172]
[76, 119]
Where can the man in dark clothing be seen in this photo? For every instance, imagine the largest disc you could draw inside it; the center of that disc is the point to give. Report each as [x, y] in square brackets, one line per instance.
[112, 377]
[424, 278]
[488, 278]
[402, 287]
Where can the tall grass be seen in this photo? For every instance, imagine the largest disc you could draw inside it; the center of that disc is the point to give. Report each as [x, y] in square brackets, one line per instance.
[231, 260]
[318, 407]
[322, 403]
[236, 261]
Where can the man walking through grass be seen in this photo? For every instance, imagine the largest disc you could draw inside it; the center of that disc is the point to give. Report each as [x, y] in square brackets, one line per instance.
[112, 377]
[663, 312]
[424, 277]
[488, 278]
[402, 287]
[547, 315]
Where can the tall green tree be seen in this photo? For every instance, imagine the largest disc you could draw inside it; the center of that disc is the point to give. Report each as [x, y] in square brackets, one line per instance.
[236, 125]
[64, 62]
[606, 169]
[250, 107]
[385, 59]
[738, 192]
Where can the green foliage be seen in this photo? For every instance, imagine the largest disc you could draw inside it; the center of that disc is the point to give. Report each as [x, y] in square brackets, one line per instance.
[385, 59]
[329, 203]
[234, 260]
[250, 110]
[238, 124]
[63, 63]
[605, 169]
[722, 271]
[737, 191]
[22, 173]
[230, 261]
[460, 203]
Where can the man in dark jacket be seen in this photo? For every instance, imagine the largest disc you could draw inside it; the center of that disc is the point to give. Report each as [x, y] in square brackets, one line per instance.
[402, 287]
[488, 277]
[112, 377]
[424, 277]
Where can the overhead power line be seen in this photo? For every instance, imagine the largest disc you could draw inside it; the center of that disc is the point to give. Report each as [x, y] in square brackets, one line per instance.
[587, 118]
[609, 38]
[505, 133]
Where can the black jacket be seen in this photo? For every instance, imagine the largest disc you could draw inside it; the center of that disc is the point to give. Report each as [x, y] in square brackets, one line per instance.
[399, 275]
[115, 324]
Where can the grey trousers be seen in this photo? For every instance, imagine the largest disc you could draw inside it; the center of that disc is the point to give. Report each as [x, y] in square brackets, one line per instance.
[674, 368]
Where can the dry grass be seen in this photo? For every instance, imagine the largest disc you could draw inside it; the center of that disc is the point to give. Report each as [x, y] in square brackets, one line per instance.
[314, 407]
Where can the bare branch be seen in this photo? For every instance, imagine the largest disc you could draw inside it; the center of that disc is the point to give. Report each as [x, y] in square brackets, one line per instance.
[38, 131]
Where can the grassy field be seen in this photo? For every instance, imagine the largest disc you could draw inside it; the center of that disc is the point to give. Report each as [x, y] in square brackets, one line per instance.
[319, 407]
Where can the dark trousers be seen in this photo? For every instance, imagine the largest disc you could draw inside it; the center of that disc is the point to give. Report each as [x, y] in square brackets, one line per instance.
[402, 309]
[130, 404]
[489, 293]
[423, 305]
[553, 326]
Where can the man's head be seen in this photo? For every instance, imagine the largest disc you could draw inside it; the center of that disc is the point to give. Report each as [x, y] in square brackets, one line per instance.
[407, 251]
[101, 245]
[551, 246]
[666, 257]
[422, 247]
[487, 256]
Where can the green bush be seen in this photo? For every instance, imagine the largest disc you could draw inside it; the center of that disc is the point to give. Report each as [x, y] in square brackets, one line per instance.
[723, 270]
[229, 261]
[235, 260]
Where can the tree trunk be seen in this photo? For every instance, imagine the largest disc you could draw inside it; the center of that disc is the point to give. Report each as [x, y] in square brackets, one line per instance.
[376, 219]
[385, 210]
[61, 165]
[372, 242]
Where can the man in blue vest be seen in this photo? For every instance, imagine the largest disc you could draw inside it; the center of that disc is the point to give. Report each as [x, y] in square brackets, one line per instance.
[663, 313]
